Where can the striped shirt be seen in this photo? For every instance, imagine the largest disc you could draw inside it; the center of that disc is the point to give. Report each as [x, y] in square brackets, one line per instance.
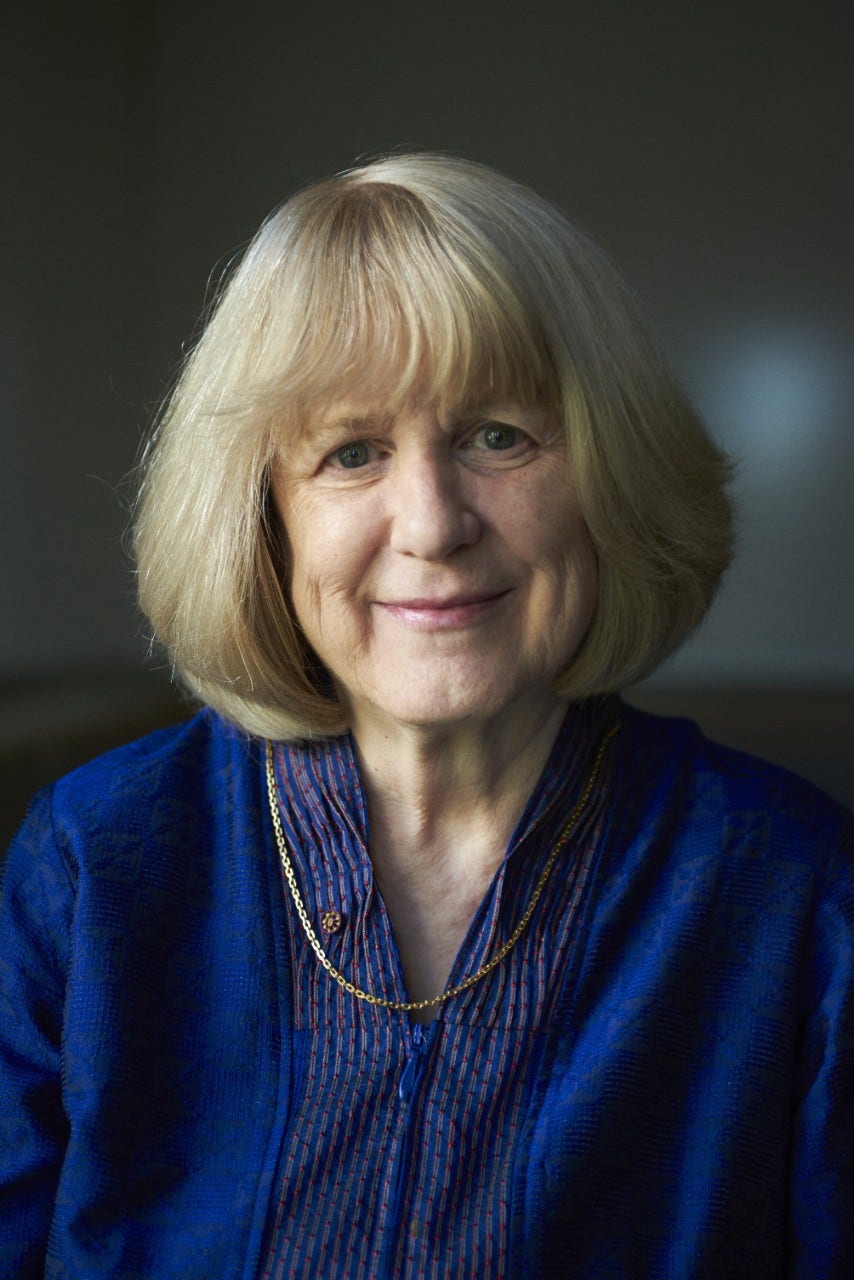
[400, 1153]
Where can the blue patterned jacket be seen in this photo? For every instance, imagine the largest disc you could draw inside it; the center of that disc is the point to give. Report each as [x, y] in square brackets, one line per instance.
[691, 1112]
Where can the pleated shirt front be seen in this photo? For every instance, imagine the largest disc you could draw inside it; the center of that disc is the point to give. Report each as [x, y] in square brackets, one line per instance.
[404, 1140]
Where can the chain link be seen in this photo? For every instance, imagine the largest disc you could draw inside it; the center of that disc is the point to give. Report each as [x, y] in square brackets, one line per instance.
[411, 1006]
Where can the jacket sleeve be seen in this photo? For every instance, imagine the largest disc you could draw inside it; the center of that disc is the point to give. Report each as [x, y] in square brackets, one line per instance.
[36, 911]
[821, 1222]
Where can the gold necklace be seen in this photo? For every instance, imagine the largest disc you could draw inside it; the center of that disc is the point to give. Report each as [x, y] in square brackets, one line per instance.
[410, 1006]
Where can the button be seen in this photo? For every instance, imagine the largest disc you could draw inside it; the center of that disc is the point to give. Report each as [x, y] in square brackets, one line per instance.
[331, 921]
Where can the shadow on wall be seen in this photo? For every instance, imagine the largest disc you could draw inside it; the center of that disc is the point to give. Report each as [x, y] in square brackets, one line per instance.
[51, 726]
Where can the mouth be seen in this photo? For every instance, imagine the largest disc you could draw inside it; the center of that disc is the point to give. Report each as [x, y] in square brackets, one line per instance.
[443, 613]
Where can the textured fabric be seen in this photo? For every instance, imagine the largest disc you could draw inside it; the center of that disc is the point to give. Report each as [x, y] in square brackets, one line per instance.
[665, 1092]
[393, 1109]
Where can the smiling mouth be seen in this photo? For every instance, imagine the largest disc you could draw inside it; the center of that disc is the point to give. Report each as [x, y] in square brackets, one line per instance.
[440, 615]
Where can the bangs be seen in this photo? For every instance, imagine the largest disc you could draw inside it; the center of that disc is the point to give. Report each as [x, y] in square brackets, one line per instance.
[415, 278]
[376, 294]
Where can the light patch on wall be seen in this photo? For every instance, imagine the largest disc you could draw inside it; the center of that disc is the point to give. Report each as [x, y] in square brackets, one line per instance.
[774, 394]
[778, 395]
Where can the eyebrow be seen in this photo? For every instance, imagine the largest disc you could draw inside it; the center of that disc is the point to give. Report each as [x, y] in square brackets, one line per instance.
[326, 431]
[347, 424]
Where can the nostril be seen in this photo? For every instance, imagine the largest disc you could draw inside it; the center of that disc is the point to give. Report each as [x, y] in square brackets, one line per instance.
[436, 539]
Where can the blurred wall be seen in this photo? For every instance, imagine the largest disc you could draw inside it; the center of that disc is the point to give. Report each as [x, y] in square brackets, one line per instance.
[707, 150]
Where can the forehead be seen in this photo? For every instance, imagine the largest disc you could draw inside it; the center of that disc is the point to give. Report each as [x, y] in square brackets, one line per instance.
[376, 394]
[354, 414]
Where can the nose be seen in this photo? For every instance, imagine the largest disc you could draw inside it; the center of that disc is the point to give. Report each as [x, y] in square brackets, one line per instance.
[431, 516]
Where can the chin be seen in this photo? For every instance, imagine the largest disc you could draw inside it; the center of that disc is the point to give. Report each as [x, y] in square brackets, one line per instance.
[440, 706]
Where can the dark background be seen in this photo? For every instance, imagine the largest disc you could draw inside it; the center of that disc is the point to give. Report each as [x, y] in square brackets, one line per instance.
[707, 148]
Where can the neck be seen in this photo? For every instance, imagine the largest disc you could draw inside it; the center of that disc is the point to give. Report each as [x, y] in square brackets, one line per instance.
[426, 786]
[443, 804]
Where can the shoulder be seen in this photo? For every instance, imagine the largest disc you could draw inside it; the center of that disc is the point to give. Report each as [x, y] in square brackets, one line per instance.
[749, 802]
[167, 780]
[178, 755]
[716, 853]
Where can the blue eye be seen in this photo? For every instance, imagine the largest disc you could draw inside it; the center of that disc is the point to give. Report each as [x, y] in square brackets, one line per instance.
[509, 443]
[499, 436]
[352, 455]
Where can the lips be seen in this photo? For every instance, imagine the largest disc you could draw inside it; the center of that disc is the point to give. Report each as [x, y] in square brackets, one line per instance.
[459, 600]
[439, 613]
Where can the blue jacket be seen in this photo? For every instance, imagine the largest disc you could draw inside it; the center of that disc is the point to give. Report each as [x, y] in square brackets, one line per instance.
[695, 1116]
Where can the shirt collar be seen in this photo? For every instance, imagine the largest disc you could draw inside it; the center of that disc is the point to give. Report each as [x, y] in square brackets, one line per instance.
[320, 782]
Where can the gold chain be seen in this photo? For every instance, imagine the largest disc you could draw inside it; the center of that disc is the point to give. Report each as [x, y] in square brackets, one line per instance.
[410, 1006]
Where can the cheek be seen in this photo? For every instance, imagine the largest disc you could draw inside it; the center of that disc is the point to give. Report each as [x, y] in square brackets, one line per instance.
[558, 538]
[300, 545]
[310, 534]
[576, 576]
[329, 564]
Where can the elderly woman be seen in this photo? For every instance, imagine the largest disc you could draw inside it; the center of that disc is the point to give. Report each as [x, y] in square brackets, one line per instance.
[417, 953]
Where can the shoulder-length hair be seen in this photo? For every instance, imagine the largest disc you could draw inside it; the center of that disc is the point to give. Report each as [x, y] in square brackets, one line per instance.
[413, 263]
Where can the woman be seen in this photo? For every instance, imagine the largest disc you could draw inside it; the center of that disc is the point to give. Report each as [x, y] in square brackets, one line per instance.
[416, 952]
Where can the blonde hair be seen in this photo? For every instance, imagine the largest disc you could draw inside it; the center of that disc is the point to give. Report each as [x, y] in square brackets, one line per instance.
[409, 264]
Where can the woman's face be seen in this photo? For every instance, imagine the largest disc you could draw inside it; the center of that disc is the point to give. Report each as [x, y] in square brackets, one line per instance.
[440, 567]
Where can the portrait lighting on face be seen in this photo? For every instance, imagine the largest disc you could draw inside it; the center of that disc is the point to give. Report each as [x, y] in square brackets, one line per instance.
[449, 285]
[440, 567]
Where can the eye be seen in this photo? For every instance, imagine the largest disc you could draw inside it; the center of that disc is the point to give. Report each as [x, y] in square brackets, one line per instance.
[351, 456]
[502, 440]
[498, 436]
